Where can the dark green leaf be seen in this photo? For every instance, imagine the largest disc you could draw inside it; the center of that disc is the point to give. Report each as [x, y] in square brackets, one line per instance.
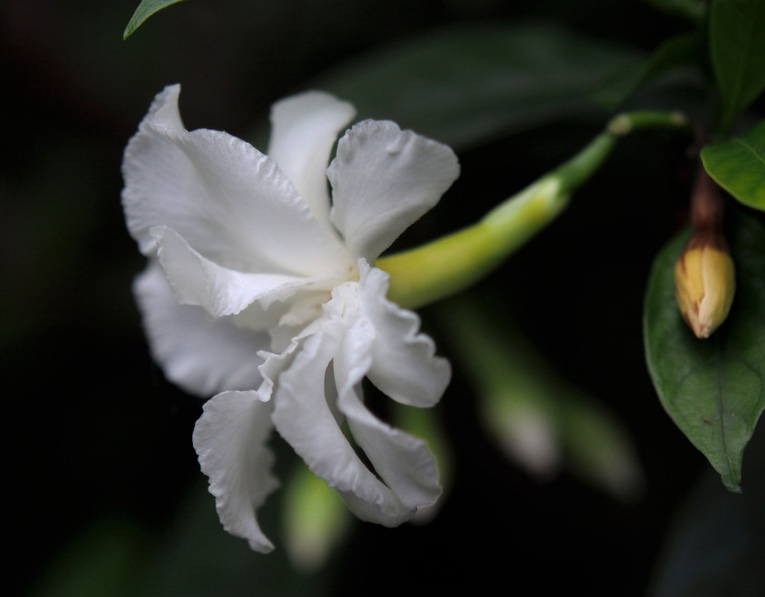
[195, 557]
[737, 46]
[145, 9]
[715, 545]
[712, 389]
[693, 10]
[679, 51]
[465, 86]
[105, 558]
[738, 166]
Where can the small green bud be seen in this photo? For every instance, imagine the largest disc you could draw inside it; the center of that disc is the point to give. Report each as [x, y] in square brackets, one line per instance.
[315, 520]
[705, 282]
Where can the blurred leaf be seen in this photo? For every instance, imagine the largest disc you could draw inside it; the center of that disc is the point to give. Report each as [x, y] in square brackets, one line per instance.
[145, 9]
[738, 166]
[715, 544]
[682, 50]
[737, 46]
[105, 559]
[532, 415]
[712, 389]
[195, 557]
[465, 86]
[693, 10]
[677, 63]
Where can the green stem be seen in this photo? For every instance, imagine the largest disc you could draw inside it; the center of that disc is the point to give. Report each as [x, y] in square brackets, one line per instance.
[459, 260]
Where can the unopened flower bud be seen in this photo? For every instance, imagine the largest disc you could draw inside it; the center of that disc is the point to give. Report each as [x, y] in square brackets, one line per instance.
[705, 282]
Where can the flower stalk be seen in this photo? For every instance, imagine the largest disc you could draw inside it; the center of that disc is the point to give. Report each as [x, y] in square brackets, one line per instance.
[455, 262]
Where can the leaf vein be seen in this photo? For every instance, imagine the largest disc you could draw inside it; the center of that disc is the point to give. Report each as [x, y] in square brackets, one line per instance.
[752, 150]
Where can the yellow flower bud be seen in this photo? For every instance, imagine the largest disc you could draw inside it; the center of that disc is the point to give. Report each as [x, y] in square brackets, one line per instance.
[705, 282]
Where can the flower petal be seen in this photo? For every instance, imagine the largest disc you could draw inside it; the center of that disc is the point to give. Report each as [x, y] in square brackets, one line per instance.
[229, 201]
[402, 461]
[384, 179]
[200, 355]
[230, 439]
[404, 365]
[305, 420]
[304, 129]
[221, 291]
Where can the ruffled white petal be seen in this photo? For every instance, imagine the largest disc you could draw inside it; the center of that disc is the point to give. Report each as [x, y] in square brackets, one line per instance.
[404, 365]
[229, 201]
[402, 461]
[221, 291]
[284, 320]
[383, 179]
[230, 440]
[277, 362]
[405, 475]
[202, 356]
[305, 420]
[304, 128]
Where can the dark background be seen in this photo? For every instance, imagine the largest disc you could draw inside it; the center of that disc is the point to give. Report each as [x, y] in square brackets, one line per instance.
[97, 446]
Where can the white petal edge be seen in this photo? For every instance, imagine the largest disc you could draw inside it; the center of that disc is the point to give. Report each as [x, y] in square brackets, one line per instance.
[304, 128]
[196, 280]
[230, 440]
[229, 201]
[403, 461]
[305, 420]
[383, 180]
[404, 365]
[200, 355]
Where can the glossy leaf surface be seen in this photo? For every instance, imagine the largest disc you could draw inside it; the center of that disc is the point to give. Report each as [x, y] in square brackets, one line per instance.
[712, 389]
[738, 166]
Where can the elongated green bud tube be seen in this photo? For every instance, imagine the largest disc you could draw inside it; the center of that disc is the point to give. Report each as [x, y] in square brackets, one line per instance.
[457, 261]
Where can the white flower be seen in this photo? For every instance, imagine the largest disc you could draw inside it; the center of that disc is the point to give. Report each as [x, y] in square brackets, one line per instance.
[256, 288]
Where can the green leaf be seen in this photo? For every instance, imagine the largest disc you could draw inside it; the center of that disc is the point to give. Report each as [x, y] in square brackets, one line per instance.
[737, 46]
[195, 557]
[145, 9]
[676, 52]
[714, 546]
[104, 558]
[738, 166]
[712, 389]
[468, 85]
[693, 10]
